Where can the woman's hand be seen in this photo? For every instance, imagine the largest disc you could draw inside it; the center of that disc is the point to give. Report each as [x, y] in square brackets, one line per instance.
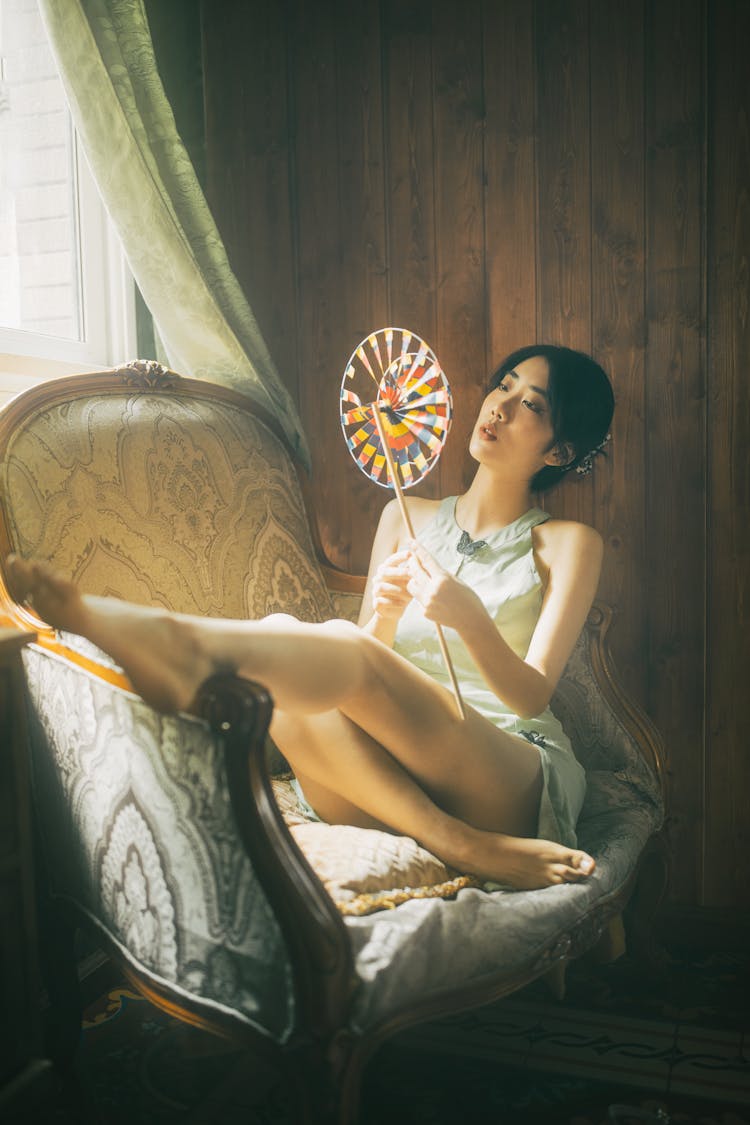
[390, 596]
[443, 598]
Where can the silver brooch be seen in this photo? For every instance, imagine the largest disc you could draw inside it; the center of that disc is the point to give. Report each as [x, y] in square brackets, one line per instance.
[468, 546]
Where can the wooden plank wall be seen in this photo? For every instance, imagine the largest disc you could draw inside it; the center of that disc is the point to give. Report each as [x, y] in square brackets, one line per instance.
[488, 173]
[726, 818]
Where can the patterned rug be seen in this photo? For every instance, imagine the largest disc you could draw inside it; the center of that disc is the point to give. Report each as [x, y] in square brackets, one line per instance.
[622, 1049]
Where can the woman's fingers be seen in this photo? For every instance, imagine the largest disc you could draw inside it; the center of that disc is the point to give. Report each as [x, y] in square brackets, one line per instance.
[389, 592]
[392, 577]
[443, 598]
[424, 559]
[391, 589]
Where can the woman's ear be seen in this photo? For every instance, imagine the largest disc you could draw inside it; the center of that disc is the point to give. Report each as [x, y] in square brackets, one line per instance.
[561, 455]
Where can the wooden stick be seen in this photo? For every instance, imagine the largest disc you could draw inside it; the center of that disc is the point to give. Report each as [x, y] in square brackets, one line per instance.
[393, 473]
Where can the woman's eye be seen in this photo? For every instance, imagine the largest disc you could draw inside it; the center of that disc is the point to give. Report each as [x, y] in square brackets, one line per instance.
[532, 406]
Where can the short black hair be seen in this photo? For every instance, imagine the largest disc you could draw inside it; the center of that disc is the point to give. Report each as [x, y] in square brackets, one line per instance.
[581, 403]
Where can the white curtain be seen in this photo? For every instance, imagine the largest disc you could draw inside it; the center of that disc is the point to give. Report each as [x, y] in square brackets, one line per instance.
[105, 55]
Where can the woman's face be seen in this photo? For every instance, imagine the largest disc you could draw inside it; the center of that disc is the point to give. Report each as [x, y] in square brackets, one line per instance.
[514, 426]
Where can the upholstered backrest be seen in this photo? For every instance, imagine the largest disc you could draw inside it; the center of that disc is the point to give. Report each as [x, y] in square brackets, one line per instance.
[612, 738]
[160, 490]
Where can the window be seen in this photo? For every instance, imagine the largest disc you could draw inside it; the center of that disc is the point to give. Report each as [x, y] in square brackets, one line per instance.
[66, 297]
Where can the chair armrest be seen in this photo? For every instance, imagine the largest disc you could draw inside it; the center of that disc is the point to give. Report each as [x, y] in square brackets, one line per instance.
[316, 938]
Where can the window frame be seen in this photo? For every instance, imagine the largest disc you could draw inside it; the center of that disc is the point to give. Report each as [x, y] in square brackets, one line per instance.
[108, 305]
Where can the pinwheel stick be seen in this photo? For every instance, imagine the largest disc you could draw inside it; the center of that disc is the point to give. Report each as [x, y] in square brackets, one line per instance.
[393, 474]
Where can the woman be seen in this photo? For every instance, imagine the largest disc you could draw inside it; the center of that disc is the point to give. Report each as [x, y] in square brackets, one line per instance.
[364, 714]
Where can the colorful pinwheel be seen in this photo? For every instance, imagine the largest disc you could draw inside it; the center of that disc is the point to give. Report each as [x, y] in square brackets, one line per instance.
[396, 410]
[394, 372]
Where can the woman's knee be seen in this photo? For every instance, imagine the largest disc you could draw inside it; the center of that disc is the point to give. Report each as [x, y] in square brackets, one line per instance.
[287, 727]
[281, 620]
[351, 641]
[358, 644]
[340, 627]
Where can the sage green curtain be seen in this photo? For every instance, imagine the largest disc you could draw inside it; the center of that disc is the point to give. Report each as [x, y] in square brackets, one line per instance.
[105, 55]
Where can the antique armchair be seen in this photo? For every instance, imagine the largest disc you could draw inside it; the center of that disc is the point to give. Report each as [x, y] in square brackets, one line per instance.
[169, 838]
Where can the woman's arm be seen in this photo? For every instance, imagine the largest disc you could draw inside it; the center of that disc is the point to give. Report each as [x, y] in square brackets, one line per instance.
[385, 597]
[384, 545]
[569, 559]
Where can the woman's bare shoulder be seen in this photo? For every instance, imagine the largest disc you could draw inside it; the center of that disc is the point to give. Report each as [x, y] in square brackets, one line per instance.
[561, 534]
[567, 543]
[420, 510]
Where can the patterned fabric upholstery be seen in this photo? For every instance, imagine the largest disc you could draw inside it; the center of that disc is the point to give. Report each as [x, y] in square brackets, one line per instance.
[602, 742]
[346, 605]
[139, 831]
[190, 503]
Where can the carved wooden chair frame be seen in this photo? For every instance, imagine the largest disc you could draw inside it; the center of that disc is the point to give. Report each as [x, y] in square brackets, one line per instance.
[325, 1055]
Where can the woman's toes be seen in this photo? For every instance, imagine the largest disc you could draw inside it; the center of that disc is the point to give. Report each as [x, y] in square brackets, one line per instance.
[17, 580]
[578, 867]
[23, 574]
[564, 874]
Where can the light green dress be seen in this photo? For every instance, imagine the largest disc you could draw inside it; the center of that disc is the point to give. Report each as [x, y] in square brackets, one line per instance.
[504, 575]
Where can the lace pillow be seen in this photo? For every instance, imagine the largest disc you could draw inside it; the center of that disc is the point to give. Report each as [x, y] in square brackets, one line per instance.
[362, 869]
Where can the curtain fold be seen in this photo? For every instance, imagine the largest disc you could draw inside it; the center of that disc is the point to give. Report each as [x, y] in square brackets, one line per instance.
[104, 51]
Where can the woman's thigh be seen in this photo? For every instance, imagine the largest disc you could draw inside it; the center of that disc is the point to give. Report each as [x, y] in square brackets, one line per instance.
[416, 719]
[343, 772]
[468, 767]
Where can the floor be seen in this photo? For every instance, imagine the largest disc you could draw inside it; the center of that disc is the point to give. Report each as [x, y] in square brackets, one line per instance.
[623, 1047]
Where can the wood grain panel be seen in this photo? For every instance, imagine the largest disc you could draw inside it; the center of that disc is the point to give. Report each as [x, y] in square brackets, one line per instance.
[564, 201]
[247, 136]
[362, 278]
[458, 116]
[406, 30]
[618, 312]
[676, 418]
[407, 71]
[510, 183]
[322, 348]
[361, 139]
[728, 773]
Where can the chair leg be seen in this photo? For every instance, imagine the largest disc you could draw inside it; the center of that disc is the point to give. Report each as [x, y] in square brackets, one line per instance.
[555, 979]
[612, 942]
[328, 1079]
[315, 1080]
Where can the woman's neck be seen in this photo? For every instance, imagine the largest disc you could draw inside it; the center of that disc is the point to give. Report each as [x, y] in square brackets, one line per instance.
[488, 506]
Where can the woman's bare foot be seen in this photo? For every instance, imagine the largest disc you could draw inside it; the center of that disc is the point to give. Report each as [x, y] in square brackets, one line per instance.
[52, 597]
[161, 654]
[523, 863]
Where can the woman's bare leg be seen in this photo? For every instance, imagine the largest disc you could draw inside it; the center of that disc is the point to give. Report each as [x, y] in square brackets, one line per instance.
[473, 792]
[168, 656]
[349, 778]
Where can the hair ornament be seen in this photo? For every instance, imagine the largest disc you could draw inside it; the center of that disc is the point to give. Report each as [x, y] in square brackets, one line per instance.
[585, 465]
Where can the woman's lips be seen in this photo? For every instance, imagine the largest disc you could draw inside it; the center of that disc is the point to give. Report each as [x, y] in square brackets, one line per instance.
[487, 433]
